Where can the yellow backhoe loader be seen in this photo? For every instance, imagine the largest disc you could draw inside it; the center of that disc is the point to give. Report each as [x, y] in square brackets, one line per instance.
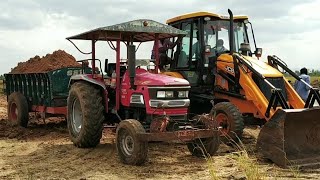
[217, 60]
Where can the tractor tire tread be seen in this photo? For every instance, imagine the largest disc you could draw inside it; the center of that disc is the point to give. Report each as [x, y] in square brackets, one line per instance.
[22, 106]
[93, 115]
[141, 154]
[232, 111]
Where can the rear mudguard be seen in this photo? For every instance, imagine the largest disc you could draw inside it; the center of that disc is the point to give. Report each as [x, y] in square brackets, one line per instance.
[100, 84]
[83, 77]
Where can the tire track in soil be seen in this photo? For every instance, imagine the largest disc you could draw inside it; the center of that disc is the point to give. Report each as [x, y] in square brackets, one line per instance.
[49, 153]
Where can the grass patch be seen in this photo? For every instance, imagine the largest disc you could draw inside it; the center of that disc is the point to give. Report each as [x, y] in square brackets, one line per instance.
[212, 169]
[312, 79]
[247, 166]
[295, 171]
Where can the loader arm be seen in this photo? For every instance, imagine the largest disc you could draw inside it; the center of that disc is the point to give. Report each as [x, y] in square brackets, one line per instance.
[314, 92]
[290, 137]
[262, 106]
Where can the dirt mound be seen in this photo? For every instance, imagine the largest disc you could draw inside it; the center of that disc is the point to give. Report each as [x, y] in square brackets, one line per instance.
[58, 59]
[36, 128]
[11, 131]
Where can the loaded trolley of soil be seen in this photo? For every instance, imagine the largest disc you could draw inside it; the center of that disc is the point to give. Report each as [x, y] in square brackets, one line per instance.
[40, 85]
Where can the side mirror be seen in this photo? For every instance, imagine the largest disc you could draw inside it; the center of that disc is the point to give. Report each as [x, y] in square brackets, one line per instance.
[106, 65]
[258, 52]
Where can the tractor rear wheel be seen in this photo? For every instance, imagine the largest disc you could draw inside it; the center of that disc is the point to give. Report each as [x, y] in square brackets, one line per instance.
[85, 115]
[205, 147]
[18, 111]
[130, 149]
[230, 119]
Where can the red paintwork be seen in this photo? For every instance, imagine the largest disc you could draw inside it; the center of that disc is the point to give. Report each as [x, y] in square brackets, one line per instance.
[118, 75]
[169, 111]
[50, 110]
[156, 53]
[13, 111]
[144, 79]
[93, 58]
[106, 100]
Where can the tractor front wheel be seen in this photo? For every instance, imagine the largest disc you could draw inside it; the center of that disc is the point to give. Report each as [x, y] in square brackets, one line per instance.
[85, 115]
[130, 149]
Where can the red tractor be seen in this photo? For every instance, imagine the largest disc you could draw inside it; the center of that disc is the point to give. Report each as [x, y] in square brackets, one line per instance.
[145, 106]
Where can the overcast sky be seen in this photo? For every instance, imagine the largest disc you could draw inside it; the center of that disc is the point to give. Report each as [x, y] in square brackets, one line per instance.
[287, 28]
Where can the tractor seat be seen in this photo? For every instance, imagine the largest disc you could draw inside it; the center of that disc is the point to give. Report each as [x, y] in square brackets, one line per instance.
[112, 67]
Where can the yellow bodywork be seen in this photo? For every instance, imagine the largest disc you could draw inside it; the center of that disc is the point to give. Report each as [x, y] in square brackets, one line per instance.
[255, 101]
[202, 14]
[173, 74]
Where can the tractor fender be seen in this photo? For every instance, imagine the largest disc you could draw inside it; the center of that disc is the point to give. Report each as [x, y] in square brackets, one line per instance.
[99, 84]
[82, 77]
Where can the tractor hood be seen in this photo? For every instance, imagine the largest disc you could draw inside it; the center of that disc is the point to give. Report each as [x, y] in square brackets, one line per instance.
[146, 78]
[150, 79]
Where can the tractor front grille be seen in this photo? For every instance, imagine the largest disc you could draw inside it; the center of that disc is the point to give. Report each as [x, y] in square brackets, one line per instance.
[169, 103]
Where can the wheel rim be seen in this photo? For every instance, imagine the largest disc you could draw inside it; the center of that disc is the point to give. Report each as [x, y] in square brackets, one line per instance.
[127, 144]
[13, 112]
[222, 120]
[76, 116]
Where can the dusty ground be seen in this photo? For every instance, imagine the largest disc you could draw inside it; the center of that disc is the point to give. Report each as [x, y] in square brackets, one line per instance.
[45, 152]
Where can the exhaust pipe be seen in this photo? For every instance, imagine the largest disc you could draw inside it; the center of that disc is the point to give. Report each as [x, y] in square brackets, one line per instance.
[231, 45]
[132, 64]
[231, 34]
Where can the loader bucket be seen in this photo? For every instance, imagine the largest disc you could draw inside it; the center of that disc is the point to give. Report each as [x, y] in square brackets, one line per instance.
[292, 138]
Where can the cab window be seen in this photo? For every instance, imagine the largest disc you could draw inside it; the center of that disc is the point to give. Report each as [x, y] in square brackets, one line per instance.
[183, 58]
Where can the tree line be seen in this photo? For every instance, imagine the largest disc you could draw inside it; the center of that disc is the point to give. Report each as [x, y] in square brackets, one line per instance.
[311, 72]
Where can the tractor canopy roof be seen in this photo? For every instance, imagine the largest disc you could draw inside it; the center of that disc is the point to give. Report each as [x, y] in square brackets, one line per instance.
[141, 30]
[203, 14]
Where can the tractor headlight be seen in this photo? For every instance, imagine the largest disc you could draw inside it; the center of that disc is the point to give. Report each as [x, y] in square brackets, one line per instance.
[182, 94]
[164, 94]
[169, 94]
[161, 94]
